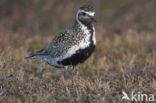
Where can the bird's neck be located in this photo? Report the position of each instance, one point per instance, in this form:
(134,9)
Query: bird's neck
(88,29)
(79,25)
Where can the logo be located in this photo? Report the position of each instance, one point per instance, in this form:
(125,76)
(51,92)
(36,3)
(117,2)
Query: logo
(137,96)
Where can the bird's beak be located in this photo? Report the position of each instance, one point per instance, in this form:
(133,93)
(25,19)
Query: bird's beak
(93,19)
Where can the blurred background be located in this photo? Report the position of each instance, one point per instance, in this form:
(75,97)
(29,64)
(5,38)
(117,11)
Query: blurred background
(29,18)
(124,59)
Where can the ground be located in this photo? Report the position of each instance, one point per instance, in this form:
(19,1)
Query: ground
(124,60)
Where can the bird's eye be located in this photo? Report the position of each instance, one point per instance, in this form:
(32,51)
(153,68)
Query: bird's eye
(83,14)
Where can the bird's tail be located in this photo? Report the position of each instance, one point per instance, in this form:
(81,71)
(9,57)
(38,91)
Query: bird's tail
(38,54)
(32,56)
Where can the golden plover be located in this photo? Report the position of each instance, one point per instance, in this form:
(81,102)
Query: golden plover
(73,45)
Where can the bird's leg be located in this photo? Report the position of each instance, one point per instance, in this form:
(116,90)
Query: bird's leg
(65,69)
(73,73)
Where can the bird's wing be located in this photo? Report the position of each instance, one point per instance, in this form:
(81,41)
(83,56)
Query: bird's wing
(59,43)
(56,47)
(60,39)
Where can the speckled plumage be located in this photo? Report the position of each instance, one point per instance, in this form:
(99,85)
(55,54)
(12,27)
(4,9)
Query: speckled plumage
(65,40)
(70,41)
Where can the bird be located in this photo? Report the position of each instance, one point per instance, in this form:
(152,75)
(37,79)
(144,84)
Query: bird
(73,45)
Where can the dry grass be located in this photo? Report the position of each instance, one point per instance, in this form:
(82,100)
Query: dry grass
(125,59)
(124,63)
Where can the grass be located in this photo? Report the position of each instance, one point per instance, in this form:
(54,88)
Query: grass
(124,63)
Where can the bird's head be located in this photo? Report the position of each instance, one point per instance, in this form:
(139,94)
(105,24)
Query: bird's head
(85,14)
